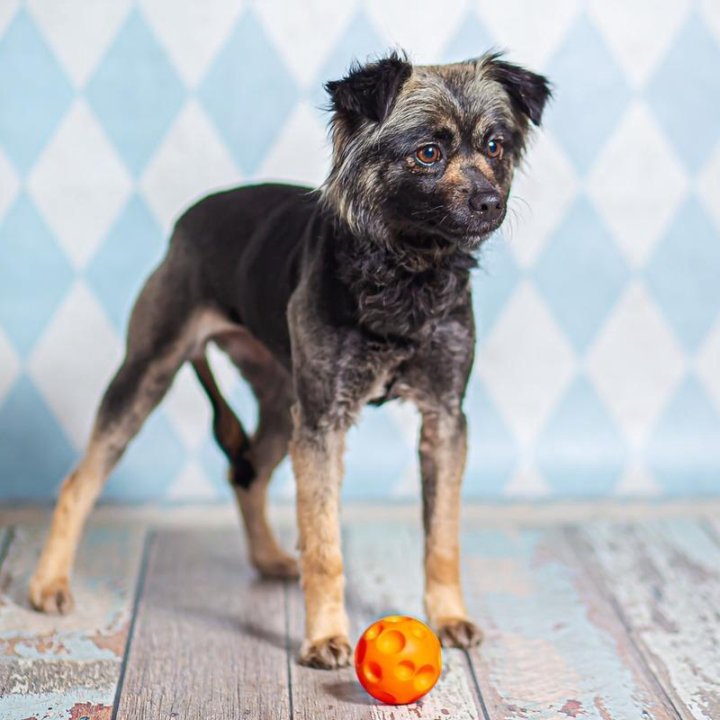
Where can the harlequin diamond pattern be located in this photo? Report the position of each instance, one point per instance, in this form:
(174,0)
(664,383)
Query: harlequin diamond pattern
(598,306)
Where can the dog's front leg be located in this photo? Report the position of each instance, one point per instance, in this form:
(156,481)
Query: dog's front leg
(317,459)
(443,447)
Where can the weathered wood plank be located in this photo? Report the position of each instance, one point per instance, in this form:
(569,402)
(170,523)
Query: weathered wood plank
(665,579)
(554,647)
(209,640)
(50,666)
(383,564)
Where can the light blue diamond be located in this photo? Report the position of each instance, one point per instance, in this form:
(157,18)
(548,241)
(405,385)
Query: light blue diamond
(493,283)
(685,93)
(581,273)
(150,465)
(590,93)
(580,451)
(35,453)
(34,92)
(248,93)
(133,247)
(491,448)
(378,455)
(360,42)
(471,40)
(684,274)
(215,466)
(135,92)
(684,451)
(34,274)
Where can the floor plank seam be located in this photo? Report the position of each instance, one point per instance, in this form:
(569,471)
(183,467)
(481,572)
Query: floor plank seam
(576,539)
(476,684)
(288,647)
(142,574)
(7,540)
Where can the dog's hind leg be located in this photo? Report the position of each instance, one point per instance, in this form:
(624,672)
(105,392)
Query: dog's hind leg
(252,461)
(163,332)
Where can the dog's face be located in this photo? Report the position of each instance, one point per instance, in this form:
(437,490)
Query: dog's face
(426,154)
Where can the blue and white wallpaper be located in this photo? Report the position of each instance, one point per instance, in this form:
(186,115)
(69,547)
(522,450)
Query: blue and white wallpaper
(598,366)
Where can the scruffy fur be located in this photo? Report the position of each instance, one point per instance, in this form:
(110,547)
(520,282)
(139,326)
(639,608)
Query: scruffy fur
(327,300)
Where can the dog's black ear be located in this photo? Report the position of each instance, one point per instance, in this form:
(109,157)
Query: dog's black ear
(370,90)
(528,91)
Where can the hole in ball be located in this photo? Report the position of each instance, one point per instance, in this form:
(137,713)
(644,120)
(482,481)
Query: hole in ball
(391,642)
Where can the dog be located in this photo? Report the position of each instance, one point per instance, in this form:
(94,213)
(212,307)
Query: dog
(327,300)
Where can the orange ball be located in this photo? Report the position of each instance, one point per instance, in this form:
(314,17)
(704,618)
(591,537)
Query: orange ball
(398,660)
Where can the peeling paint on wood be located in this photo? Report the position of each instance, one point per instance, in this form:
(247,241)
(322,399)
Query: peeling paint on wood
(51,665)
(553,647)
(664,577)
(607,621)
(103,586)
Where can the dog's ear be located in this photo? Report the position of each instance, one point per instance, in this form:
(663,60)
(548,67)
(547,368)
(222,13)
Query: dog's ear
(528,91)
(370,90)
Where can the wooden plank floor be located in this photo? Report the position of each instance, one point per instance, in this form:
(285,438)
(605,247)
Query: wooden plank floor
(609,617)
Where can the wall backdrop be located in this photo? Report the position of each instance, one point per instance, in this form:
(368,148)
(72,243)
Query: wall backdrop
(598,370)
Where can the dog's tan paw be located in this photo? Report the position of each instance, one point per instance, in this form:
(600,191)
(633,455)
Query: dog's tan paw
(53,597)
(327,654)
(282,566)
(458,633)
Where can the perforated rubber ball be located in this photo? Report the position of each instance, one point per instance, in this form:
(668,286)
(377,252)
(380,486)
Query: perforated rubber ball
(398,659)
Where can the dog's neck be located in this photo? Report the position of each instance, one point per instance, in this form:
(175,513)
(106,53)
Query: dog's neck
(401,286)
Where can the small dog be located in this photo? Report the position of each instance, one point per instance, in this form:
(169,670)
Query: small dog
(327,300)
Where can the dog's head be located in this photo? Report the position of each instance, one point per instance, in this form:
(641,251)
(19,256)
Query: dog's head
(426,154)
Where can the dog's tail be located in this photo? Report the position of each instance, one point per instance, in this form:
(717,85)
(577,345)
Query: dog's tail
(227,428)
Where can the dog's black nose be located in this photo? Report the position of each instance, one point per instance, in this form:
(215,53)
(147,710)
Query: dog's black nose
(488,204)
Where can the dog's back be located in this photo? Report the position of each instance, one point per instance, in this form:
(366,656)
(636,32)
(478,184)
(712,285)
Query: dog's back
(243,248)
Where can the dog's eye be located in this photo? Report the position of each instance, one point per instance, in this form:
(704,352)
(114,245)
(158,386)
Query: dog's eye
(494,148)
(428,154)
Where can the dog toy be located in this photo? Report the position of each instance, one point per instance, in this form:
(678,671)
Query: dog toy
(398,660)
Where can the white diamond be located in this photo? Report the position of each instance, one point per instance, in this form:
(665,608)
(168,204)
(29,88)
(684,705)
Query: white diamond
(192,484)
(304,33)
(187,409)
(531,30)
(708,185)
(190,163)
(79,32)
(74,360)
(8,8)
(192,31)
(9,366)
(637,481)
(711,12)
(304,133)
(635,363)
(637,184)
(226,374)
(79,184)
(526,363)
(638,32)
(540,196)
(410,29)
(9,183)
(527,482)
(707,363)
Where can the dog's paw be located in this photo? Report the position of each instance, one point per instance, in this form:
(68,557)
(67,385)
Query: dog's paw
(53,597)
(458,633)
(327,654)
(278,567)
